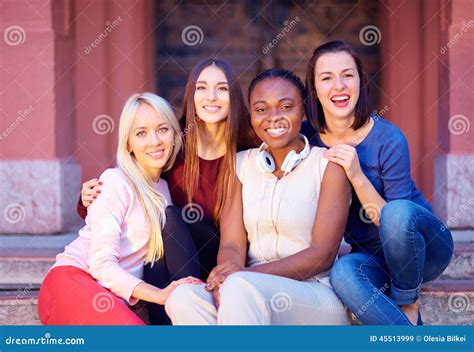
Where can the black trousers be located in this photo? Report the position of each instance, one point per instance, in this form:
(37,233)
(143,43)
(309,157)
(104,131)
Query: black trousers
(190,249)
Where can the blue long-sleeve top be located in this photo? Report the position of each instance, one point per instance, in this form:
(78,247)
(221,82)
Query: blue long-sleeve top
(385,160)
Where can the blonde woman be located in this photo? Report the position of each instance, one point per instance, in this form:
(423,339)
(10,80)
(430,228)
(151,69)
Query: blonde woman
(99,274)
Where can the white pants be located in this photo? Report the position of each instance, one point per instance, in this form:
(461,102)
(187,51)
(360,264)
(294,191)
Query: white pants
(249,298)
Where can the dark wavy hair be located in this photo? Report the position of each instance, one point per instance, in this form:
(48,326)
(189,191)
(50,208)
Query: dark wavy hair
(314,109)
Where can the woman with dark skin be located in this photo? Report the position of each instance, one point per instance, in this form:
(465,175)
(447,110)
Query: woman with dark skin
(291,212)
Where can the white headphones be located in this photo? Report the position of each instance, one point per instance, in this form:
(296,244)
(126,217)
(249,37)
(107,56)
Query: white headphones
(293,158)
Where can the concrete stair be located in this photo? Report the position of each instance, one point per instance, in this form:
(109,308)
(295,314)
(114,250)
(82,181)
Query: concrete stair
(19,306)
(448,302)
(24,261)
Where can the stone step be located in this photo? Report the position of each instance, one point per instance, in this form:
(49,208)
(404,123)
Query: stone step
(448,302)
(443,302)
(26,267)
(19,307)
(463,235)
(25,259)
(461,266)
(29,265)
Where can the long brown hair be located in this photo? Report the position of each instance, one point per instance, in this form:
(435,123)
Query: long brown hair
(314,109)
(238,135)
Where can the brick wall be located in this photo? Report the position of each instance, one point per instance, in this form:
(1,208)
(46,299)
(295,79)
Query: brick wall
(241,32)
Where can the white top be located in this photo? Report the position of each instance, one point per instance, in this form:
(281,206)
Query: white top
(113,244)
(279,213)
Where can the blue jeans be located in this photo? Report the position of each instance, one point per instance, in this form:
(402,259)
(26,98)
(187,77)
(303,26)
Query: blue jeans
(414,247)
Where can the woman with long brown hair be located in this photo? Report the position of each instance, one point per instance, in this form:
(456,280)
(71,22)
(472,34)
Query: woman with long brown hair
(215,126)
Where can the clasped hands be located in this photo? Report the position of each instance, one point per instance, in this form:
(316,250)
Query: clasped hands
(217,277)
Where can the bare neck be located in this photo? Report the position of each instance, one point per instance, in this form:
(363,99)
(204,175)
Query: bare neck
(340,131)
(339,128)
(211,140)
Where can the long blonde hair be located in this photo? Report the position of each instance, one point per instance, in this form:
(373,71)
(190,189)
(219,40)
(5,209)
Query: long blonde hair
(152,201)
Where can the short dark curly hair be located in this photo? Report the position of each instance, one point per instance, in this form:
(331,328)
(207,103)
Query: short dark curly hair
(279,73)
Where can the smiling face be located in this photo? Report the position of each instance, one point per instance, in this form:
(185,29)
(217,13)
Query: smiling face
(337,84)
(211,97)
(276,111)
(151,140)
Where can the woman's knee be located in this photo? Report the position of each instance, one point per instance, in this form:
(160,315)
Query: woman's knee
(238,287)
(344,271)
(397,214)
(180,300)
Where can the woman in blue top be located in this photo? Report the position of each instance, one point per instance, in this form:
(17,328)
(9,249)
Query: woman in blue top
(397,242)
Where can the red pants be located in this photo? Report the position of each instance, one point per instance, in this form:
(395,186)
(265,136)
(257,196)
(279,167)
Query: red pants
(71,296)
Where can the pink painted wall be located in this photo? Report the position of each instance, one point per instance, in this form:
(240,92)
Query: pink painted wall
(37,59)
(38,172)
(458,85)
(114,53)
(70,65)
(409,51)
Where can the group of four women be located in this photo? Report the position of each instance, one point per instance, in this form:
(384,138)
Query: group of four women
(277,193)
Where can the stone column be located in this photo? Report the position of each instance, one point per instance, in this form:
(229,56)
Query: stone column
(454,165)
(409,90)
(39,178)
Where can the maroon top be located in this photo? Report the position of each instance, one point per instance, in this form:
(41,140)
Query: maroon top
(203,196)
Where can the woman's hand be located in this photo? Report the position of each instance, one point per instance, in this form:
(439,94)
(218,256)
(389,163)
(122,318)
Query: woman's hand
(163,294)
(89,192)
(218,275)
(346,156)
